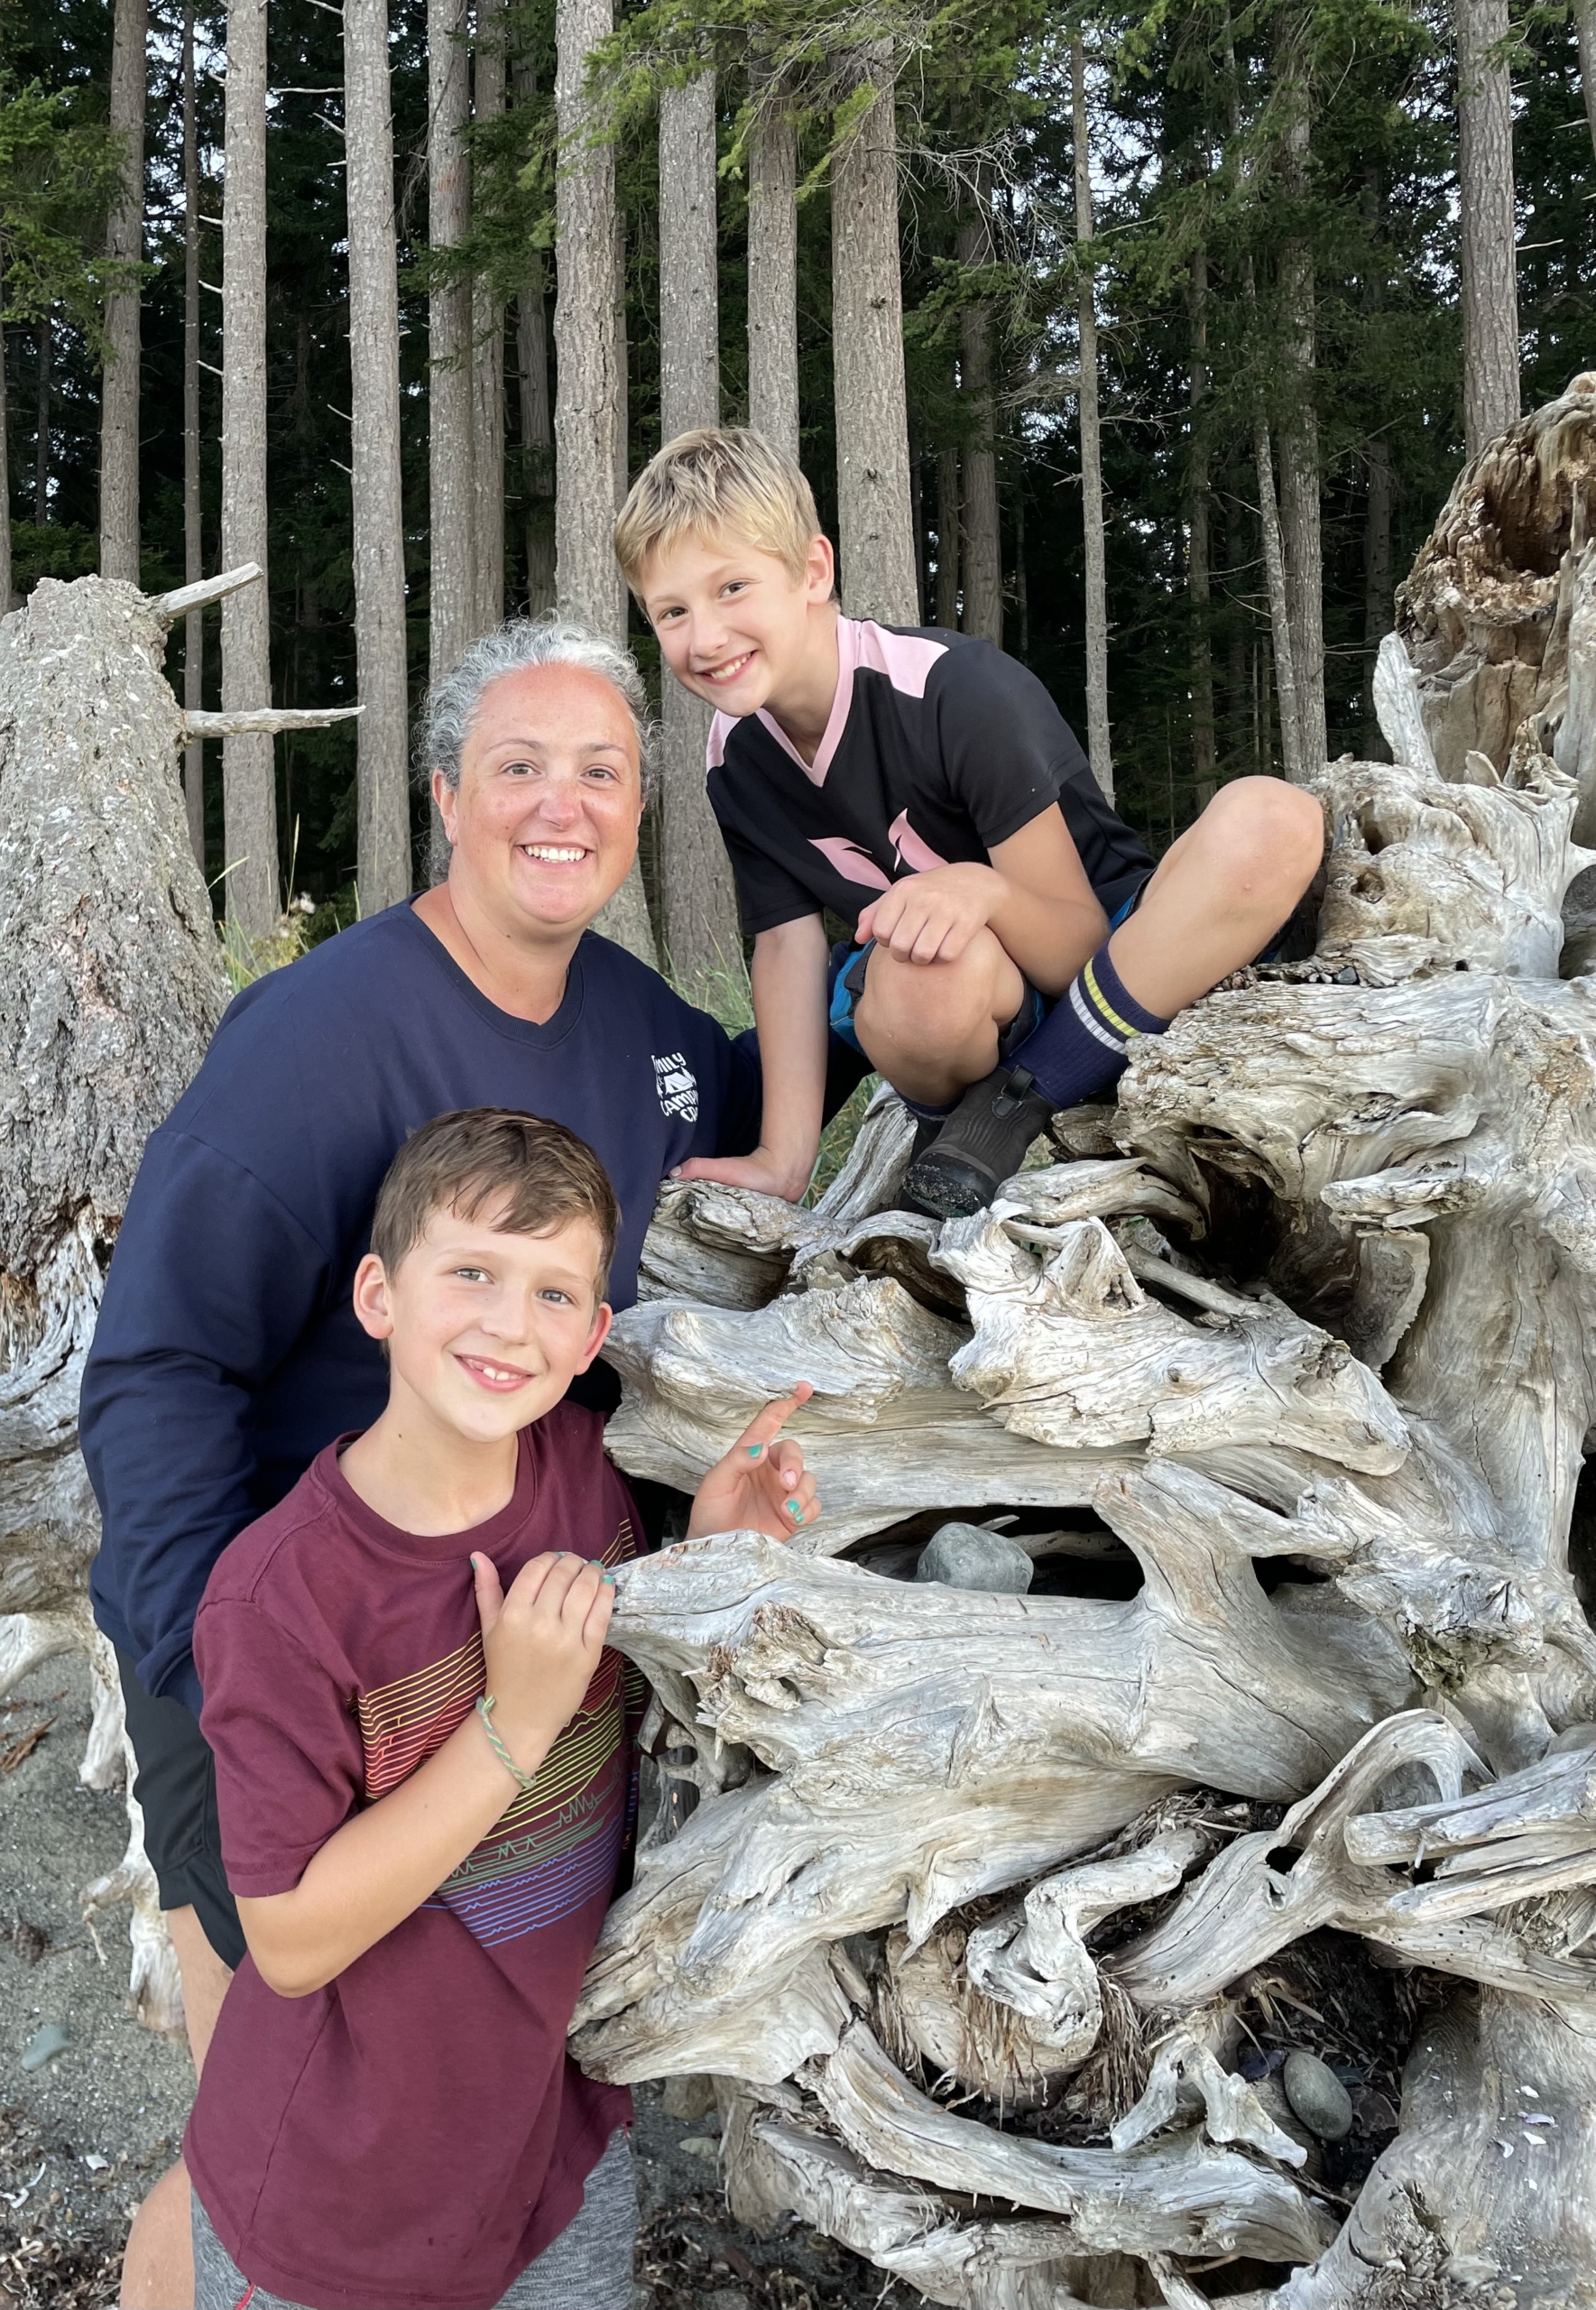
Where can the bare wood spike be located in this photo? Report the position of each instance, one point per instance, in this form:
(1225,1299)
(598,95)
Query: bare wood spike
(204,591)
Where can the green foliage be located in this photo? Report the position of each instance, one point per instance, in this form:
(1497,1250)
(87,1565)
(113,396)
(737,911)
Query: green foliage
(58,175)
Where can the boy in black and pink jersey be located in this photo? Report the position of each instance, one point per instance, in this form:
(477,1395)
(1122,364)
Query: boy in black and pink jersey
(1011,935)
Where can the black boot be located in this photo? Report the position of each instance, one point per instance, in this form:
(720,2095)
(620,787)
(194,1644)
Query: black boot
(982,1144)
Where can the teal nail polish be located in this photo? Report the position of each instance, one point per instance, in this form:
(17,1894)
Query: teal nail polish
(609,1579)
(754,1450)
(794,1509)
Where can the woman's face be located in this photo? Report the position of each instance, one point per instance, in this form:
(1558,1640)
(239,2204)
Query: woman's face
(544,820)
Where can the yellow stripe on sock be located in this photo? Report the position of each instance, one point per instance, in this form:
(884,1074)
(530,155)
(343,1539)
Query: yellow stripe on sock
(1105,1006)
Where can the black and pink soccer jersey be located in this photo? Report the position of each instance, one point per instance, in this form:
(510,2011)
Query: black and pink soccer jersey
(938,748)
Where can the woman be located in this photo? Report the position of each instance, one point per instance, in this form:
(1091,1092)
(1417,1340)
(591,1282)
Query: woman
(226,1354)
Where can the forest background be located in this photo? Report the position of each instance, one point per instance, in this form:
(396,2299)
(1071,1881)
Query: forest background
(1146,342)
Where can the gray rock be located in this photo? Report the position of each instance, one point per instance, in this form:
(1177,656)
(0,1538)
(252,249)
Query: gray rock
(965,1556)
(701,2144)
(46,2044)
(688,2097)
(1317,2095)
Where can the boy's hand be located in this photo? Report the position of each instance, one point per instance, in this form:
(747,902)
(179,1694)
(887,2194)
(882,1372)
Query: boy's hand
(763,1484)
(542,1644)
(931,917)
(766,1172)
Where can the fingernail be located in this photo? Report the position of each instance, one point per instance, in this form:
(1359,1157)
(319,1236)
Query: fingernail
(609,1579)
(754,1450)
(794,1509)
(597,1563)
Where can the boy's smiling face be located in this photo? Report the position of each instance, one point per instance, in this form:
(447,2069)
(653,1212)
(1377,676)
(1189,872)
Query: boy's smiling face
(485,1330)
(735,625)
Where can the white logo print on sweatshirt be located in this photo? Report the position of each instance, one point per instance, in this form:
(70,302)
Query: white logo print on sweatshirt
(676,1085)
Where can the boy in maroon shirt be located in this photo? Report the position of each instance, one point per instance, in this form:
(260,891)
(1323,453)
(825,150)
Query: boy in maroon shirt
(423,1775)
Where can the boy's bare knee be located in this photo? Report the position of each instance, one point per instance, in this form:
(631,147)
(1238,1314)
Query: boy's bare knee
(1263,839)
(931,1005)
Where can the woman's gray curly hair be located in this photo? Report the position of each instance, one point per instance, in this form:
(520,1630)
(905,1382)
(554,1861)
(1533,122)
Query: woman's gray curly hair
(449,708)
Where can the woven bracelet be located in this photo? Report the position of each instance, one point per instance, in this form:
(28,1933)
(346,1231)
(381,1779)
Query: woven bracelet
(524,1780)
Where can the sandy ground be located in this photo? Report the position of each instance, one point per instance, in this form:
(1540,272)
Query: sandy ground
(82,2136)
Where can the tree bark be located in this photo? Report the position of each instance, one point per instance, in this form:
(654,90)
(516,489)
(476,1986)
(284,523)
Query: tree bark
(1379,609)
(41,427)
(772,271)
(249,784)
(874,528)
(1092,514)
(450,465)
(1198,511)
(588,428)
(193,543)
(586,353)
(384,816)
(948,539)
(1274,564)
(107,926)
(487,359)
(983,572)
(1299,428)
(536,421)
(697,901)
(1489,271)
(4,484)
(1584,18)
(125,243)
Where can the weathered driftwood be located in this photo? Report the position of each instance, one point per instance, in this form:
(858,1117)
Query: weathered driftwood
(1309,1348)
(113,983)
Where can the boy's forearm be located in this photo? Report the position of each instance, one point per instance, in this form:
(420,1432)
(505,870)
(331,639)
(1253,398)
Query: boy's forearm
(380,1867)
(789,977)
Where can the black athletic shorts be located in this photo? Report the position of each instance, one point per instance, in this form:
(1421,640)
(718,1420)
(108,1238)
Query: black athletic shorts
(176,1788)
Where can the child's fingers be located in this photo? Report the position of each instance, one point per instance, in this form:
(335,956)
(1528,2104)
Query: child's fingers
(598,1614)
(767,1424)
(490,1593)
(797,1503)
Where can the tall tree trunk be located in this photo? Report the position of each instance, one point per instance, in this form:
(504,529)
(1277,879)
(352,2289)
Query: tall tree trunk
(125,240)
(450,464)
(1263,459)
(1198,492)
(1097,721)
(698,902)
(1584,18)
(623,376)
(536,421)
(5,489)
(772,271)
(589,433)
(41,427)
(948,539)
(874,526)
(1300,430)
(249,787)
(587,369)
(1489,233)
(1377,605)
(384,814)
(983,545)
(193,543)
(487,360)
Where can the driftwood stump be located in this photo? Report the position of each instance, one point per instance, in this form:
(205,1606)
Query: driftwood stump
(113,986)
(995,1912)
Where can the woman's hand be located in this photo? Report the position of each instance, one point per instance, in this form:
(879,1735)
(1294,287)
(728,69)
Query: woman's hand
(763,1484)
(767,1171)
(931,917)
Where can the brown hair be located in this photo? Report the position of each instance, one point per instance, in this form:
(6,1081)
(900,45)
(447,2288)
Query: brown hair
(714,479)
(528,1175)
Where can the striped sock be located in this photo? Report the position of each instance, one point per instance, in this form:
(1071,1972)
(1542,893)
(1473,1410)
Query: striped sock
(1083,1044)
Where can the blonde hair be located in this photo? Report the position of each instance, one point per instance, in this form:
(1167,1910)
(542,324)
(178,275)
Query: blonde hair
(712,480)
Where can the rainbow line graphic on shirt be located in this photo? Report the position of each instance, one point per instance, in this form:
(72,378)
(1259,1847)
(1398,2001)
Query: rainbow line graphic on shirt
(558,1845)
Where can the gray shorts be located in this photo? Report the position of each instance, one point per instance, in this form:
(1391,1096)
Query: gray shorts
(589,2267)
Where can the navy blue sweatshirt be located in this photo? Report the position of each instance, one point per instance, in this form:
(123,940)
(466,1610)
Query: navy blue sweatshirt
(226,1353)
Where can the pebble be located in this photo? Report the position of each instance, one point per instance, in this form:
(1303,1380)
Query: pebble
(724,2297)
(1317,2095)
(701,2145)
(45,2044)
(967,1555)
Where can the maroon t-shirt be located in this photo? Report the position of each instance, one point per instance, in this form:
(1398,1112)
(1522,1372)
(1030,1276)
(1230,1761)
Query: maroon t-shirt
(411,2136)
